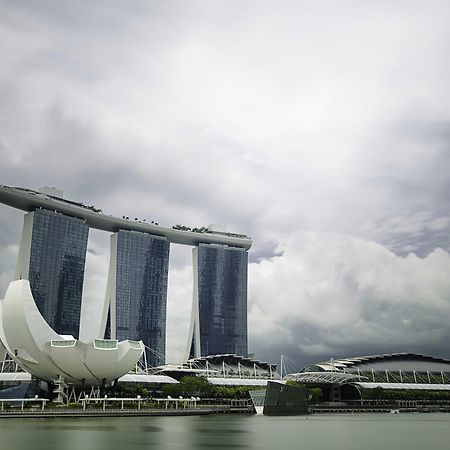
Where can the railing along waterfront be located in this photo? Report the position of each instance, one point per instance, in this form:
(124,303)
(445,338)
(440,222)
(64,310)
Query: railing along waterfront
(23,401)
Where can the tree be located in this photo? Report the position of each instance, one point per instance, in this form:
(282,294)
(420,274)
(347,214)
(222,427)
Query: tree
(315,393)
(188,387)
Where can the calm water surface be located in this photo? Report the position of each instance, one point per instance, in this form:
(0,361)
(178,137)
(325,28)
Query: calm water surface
(321,432)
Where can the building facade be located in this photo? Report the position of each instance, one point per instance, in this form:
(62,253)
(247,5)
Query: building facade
(137,291)
(52,257)
(219,311)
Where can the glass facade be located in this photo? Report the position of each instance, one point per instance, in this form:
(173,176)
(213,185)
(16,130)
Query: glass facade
(141,291)
(222,299)
(282,399)
(56,272)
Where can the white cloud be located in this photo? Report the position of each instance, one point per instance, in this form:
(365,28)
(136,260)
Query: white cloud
(94,289)
(8,256)
(179,304)
(338,293)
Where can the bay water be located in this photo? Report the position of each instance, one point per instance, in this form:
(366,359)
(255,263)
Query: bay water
(313,432)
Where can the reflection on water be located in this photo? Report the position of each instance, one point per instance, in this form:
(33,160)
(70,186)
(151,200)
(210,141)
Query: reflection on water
(350,432)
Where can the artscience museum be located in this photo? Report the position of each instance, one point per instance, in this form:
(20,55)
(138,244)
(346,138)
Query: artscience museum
(49,356)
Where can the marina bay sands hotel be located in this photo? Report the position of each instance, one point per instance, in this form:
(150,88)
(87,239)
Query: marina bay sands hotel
(52,257)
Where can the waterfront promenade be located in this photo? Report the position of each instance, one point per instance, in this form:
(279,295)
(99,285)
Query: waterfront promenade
(128,412)
(98,411)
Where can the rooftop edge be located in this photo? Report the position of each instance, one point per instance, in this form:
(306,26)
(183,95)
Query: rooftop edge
(29,200)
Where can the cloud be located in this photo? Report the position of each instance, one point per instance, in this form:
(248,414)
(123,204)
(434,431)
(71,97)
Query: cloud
(334,295)
(94,288)
(7,255)
(179,305)
(325,119)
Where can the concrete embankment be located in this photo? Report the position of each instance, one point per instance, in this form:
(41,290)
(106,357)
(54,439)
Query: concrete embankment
(349,410)
(69,412)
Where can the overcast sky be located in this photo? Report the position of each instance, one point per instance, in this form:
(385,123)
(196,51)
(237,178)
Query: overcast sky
(321,129)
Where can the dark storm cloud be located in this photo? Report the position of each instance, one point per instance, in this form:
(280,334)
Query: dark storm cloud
(416,217)
(130,175)
(99,17)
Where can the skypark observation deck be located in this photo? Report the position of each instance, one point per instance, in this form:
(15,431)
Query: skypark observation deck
(29,200)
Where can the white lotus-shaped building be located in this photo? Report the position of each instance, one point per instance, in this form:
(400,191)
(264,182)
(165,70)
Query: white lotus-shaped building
(37,348)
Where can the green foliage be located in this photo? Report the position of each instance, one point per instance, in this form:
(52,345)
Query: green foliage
(399,394)
(232,392)
(316,394)
(200,387)
(73,405)
(128,390)
(188,387)
(181,227)
(185,228)
(373,394)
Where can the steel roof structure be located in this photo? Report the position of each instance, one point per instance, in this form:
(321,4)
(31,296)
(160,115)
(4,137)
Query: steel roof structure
(389,361)
(322,377)
(238,381)
(15,376)
(144,378)
(408,371)
(230,359)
